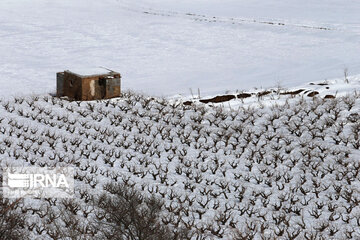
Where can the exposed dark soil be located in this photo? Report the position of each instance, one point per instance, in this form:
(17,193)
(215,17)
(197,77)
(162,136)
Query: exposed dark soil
(313,93)
(244,95)
(226,98)
(329,97)
(264,93)
(218,99)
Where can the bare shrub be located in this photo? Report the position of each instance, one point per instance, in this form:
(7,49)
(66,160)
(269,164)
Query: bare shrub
(12,223)
(125,214)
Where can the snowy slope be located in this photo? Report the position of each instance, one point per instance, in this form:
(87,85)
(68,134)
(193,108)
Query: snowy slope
(212,45)
(288,171)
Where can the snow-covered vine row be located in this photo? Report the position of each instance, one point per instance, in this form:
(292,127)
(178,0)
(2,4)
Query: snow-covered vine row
(289,171)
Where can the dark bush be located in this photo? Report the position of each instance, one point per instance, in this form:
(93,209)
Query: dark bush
(11,221)
(125,214)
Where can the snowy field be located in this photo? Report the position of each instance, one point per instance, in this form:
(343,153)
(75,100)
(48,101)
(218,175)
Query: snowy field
(165,47)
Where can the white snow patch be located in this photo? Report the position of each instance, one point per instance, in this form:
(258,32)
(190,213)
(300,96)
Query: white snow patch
(214,45)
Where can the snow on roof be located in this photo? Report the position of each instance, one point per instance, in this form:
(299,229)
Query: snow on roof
(90,71)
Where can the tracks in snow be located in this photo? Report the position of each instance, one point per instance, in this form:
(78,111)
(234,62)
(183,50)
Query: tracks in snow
(225,20)
(231,20)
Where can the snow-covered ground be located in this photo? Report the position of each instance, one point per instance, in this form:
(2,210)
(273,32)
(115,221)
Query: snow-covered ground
(286,168)
(288,171)
(165,47)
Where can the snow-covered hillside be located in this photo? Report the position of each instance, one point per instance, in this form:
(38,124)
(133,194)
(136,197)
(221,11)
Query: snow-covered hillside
(279,159)
(165,47)
(278,172)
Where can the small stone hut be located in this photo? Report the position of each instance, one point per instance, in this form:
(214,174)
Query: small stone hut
(84,86)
